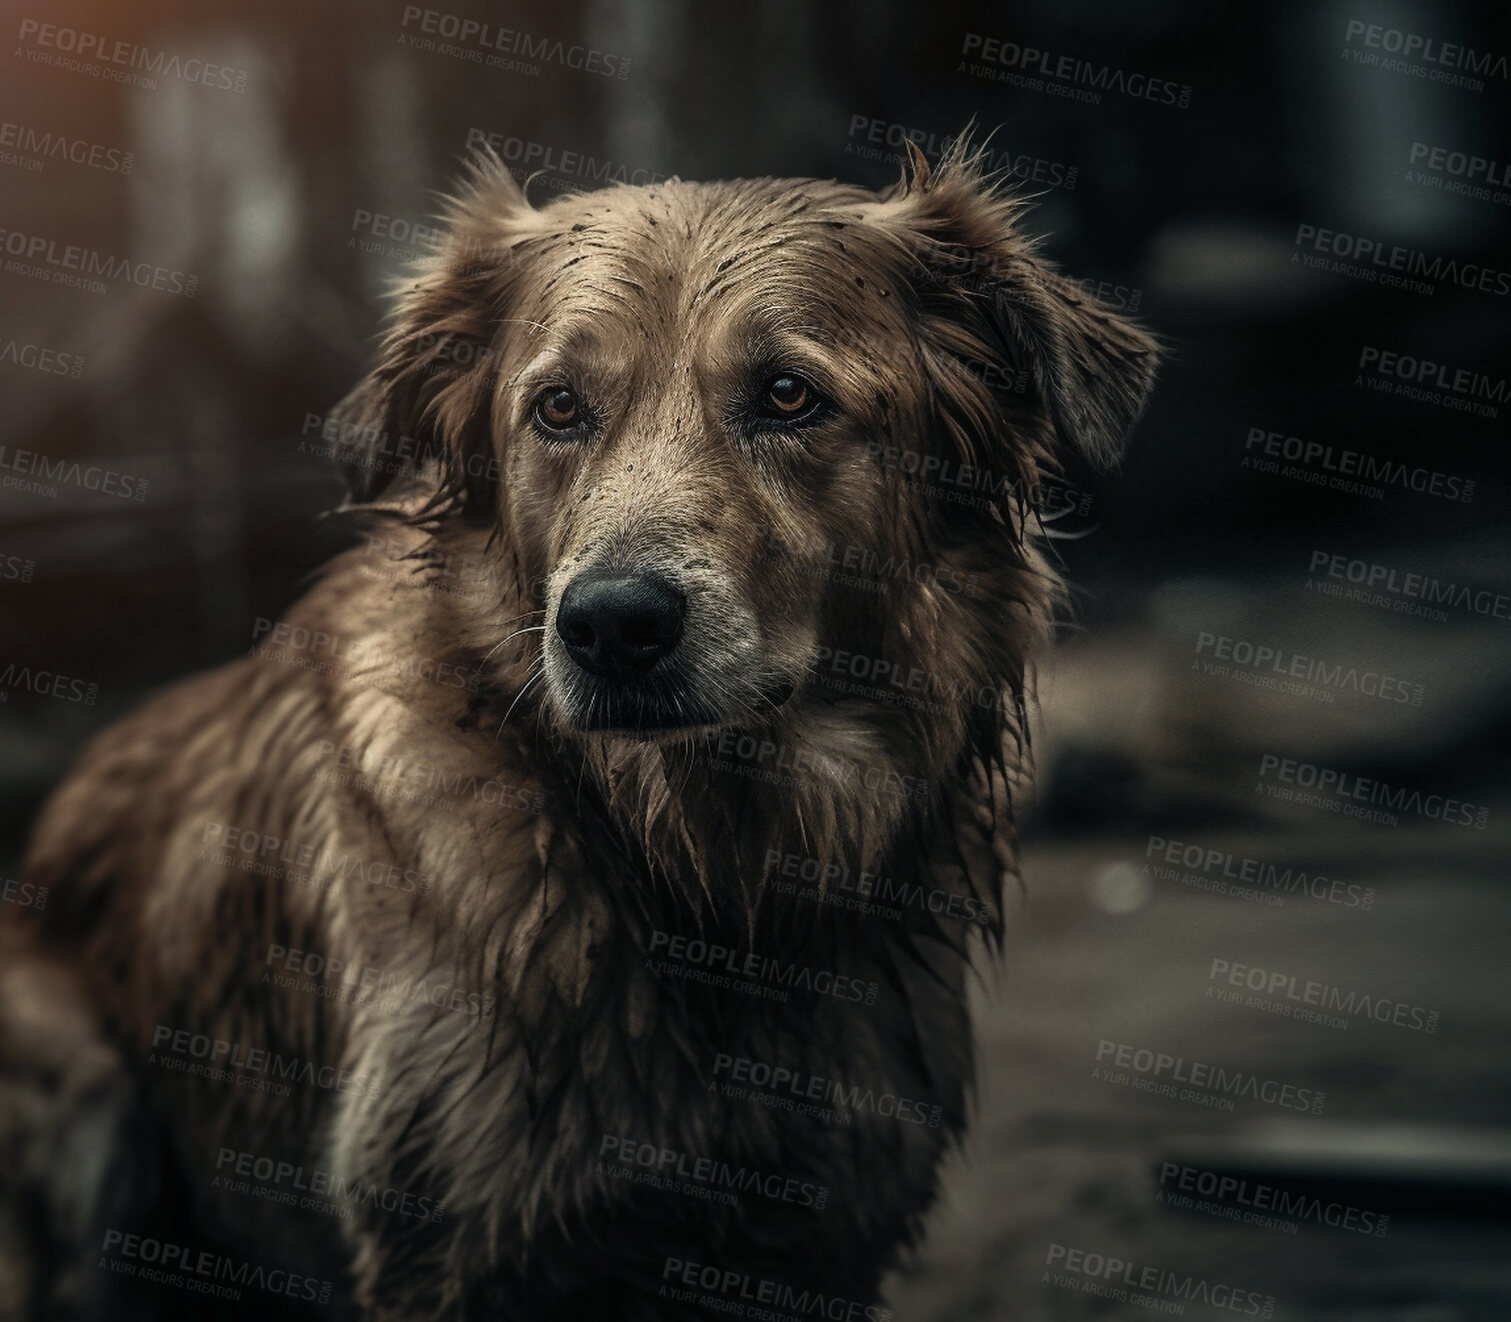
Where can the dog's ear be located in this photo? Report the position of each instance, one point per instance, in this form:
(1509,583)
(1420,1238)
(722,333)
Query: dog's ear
(1090,369)
(424,408)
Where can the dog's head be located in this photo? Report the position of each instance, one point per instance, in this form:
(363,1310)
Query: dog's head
(724,426)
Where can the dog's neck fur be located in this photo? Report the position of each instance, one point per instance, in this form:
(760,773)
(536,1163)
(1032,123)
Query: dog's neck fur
(710,824)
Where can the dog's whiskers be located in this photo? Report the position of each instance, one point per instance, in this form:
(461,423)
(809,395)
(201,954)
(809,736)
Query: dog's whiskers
(488,656)
(529,628)
(536,673)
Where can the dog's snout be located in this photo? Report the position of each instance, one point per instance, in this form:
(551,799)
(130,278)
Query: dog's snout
(618,624)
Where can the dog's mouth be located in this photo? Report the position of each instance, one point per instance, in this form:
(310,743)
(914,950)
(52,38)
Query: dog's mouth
(666,705)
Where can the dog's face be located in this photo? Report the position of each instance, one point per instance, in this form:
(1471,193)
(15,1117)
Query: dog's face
(698,412)
(681,444)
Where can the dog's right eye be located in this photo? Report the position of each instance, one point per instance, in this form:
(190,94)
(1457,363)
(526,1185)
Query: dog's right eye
(787,400)
(559,409)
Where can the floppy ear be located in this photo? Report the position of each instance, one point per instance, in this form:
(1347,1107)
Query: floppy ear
(1094,370)
(1091,370)
(425,406)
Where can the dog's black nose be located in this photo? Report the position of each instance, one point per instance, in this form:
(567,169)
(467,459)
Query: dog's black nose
(618,624)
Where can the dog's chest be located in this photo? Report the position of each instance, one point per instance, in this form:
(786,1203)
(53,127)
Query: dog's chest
(743,1091)
(638,1074)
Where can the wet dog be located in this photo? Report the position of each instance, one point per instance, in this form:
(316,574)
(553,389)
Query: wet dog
(565,911)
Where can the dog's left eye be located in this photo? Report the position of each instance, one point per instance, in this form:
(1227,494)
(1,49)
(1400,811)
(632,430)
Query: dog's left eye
(787,397)
(559,410)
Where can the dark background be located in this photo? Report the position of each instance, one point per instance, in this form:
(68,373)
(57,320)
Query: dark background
(264,195)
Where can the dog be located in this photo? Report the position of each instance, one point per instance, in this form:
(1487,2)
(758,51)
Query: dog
(565,910)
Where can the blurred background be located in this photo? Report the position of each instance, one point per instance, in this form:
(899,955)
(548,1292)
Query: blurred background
(1238,175)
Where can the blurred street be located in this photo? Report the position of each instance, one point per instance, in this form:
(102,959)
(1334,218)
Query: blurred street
(1100,949)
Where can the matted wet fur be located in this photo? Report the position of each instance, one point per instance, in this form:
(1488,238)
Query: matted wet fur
(562,925)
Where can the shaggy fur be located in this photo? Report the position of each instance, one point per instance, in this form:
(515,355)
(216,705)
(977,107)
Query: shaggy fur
(422,801)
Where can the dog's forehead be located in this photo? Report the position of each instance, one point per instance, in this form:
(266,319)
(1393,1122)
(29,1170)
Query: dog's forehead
(698,257)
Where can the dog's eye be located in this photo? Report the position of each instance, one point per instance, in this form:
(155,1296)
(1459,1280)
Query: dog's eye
(788,395)
(558,409)
(788,398)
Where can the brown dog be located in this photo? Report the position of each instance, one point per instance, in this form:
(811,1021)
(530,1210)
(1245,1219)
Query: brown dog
(564,912)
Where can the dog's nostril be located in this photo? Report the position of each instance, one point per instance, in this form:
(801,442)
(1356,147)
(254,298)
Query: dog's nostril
(617,624)
(575,632)
(651,628)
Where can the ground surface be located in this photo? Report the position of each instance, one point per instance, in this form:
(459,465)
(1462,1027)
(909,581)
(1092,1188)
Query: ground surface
(1060,1158)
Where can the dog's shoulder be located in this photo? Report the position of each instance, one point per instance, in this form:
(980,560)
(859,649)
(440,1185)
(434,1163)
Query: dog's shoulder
(135,778)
